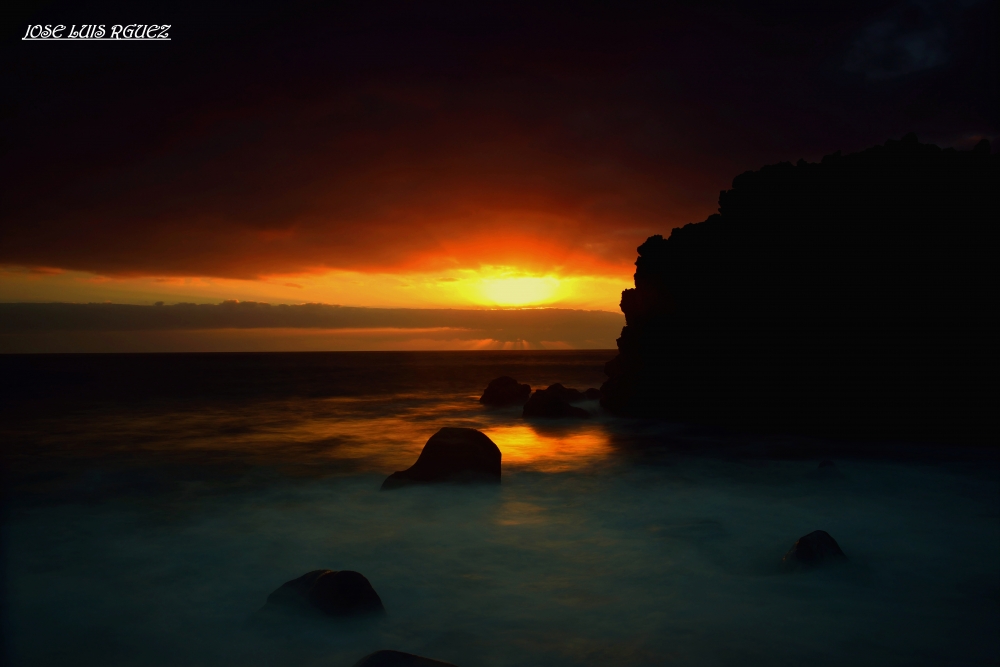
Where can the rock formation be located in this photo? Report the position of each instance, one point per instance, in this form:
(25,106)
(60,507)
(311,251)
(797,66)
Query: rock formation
(813,549)
(343,594)
(826,470)
(554,402)
(505,390)
(398,659)
(452,455)
(846,297)
(571,395)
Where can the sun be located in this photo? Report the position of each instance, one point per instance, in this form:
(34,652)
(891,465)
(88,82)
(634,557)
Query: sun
(523,291)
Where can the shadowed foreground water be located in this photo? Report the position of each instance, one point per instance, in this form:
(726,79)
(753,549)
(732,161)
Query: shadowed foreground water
(143,527)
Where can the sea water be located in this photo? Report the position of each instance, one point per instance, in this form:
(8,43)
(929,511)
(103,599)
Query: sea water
(154,501)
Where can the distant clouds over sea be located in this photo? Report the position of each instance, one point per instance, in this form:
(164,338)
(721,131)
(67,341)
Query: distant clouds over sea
(252,326)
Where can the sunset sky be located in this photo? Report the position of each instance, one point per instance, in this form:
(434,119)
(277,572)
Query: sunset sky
(441,155)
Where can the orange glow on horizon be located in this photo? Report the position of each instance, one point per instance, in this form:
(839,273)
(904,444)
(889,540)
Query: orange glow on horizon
(485,287)
(523,291)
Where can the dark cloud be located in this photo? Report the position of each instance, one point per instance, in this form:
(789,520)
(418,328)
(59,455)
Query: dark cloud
(384,135)
(254,315)
(911,37)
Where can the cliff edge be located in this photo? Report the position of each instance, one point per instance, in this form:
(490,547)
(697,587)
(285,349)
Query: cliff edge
(847,297)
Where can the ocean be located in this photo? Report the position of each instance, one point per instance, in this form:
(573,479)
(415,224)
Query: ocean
(152,502)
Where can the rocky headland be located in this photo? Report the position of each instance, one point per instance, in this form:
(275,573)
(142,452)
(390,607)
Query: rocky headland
(848,297)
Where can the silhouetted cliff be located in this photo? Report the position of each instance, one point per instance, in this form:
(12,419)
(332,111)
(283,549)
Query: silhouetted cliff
(848,297)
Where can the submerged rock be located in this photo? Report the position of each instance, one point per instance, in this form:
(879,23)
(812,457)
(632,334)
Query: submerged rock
(505,390)
(398,659)
(552,402)
(814,549)
(452,455)
(341,593)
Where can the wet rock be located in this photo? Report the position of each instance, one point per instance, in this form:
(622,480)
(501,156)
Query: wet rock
(816,548)
(505,390)
(398,659)
(343,593)
(552,403)
(452,455)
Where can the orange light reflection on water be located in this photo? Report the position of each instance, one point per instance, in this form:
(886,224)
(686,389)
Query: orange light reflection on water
(549,451)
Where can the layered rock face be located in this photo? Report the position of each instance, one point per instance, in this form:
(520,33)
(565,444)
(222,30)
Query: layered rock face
(850,296)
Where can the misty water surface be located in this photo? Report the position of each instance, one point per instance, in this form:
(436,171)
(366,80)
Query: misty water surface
(153,507)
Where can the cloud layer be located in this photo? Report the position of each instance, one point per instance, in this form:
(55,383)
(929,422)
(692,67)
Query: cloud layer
(250,326)
(399,136)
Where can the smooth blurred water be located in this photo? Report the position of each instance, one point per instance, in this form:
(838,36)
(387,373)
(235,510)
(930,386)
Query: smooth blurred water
(155,501)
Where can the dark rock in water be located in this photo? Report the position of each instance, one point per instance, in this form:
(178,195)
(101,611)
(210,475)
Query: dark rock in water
(505,390)
(808,299)
(398,659)
(332,593)
(814,549)
(564,393)
(452,455)
(571,395)
(826,470)
(552,403)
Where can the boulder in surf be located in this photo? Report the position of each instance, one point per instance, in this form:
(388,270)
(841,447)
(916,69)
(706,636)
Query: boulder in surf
(816,548)
(505,390)
(552,403)
(343,593)
(398,659)
(452,455)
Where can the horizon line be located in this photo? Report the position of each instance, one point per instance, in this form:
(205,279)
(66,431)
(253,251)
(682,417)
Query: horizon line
(162,304)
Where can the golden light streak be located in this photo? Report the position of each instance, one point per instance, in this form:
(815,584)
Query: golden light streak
(524,445)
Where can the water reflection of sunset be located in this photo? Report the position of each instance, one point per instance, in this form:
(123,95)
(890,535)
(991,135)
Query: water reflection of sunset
(524,445)
(336,434)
